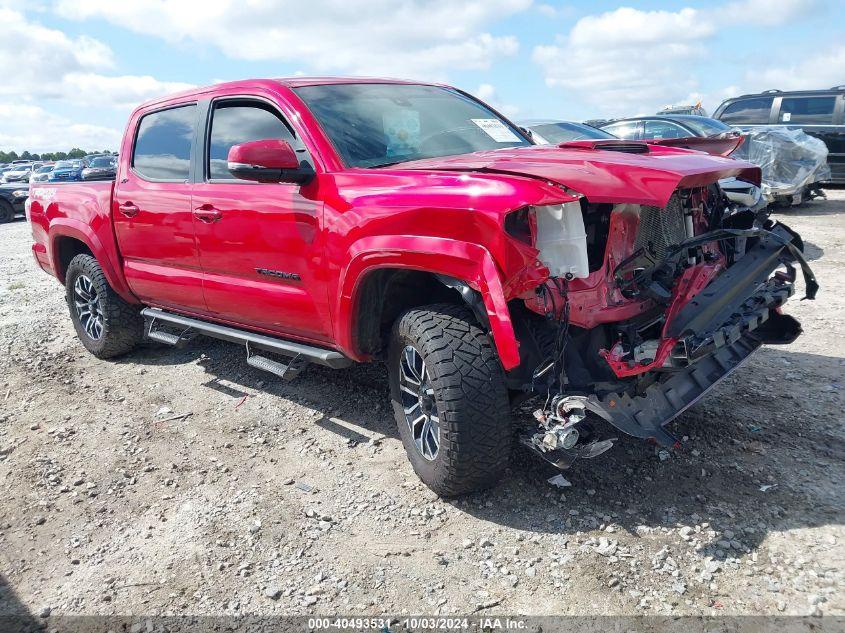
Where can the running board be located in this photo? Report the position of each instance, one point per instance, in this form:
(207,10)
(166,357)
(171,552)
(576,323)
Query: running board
(307,353)
(284,371)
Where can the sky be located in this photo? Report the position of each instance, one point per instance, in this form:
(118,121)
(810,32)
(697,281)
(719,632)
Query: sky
(72,70)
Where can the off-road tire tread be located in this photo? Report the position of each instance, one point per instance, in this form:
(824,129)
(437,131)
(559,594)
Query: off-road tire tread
(123,323)
(471,395)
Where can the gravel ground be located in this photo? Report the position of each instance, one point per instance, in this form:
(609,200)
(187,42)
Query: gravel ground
(183,481)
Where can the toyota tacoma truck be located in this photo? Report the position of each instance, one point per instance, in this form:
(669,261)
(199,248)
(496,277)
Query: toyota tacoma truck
(334,221)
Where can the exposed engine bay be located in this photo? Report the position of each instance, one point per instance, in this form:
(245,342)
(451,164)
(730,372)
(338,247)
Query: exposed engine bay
(645,310)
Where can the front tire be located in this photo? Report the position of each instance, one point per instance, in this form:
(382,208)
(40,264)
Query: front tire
(450,399)
(106,325)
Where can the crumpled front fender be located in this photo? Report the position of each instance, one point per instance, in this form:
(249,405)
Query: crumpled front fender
(464,261)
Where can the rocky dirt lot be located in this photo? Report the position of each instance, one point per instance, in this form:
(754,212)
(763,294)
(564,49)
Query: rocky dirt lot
(183,481)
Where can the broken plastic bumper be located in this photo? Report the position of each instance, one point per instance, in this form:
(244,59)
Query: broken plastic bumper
(714,334)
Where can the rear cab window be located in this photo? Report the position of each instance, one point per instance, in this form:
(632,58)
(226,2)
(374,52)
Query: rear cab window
(754,111)
(807,110)
(163,144)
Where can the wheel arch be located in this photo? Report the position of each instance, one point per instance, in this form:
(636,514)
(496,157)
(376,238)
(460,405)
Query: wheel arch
(68,239)
(443,270)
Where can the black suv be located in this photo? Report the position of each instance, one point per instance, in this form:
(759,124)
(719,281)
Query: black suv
(820,113)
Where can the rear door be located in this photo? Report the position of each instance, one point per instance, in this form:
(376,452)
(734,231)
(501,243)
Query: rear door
(153,217)
(260,243)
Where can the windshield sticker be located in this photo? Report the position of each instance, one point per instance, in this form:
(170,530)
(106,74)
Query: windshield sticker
(402,132)
(496,130)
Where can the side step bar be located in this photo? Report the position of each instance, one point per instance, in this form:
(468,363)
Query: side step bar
(301,352)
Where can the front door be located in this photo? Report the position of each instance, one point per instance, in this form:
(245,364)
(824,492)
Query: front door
(259,242)
(152,213)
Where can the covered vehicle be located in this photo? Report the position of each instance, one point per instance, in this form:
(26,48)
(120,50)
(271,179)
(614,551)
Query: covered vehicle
(794,164)
(551,132)
(819,113)
(411,224)
(65,170)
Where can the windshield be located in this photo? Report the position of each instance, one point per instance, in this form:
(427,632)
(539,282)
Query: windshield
(372,125)
(102,161)
(707,127)
(45,168)
(562,132)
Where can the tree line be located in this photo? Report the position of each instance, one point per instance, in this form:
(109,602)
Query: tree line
(8,157)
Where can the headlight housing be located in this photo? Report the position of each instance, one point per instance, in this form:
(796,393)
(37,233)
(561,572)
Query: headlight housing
(20,193)
(562,240)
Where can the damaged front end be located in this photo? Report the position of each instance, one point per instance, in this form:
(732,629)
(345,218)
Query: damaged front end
(646,309)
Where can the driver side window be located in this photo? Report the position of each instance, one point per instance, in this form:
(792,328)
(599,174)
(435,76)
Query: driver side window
(235,122)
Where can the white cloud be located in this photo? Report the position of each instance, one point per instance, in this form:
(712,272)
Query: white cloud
(822,70)
(763,12)
(488,94)
(121,91)
(44,68)
(552,11)
(408,37)
(33,128)
(626,60)
(34,58)
(630,61)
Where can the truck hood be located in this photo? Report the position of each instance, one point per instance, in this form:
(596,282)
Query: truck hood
(604,170)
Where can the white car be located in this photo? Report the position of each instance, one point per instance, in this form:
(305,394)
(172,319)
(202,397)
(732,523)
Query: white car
(42,173)
(19,173)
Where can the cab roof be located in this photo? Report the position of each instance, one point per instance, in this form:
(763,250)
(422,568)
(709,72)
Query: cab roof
(289,82)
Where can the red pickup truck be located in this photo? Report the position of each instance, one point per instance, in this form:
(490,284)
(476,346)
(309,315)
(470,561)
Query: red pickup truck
(331,221)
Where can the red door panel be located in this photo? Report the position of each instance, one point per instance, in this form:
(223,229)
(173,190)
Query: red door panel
(259,249)
(152,213)
(157,241)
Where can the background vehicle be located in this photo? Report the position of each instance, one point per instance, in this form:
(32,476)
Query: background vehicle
(67,170)
(819,113)
(18,173)
(100,168)
(12,200)
(551,132)
(333,220)
(679,130)
(42,173)
(684,109)
(793,164)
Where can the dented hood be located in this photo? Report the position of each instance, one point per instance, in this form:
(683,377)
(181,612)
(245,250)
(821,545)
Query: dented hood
(646,174)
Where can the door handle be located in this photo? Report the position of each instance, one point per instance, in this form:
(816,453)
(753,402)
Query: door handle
(207,213)
(128,209)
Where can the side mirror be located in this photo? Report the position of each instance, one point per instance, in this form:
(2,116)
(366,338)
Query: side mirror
(268,160)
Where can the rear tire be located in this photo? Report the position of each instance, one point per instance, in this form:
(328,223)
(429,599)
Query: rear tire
(450,399)
(106,325)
